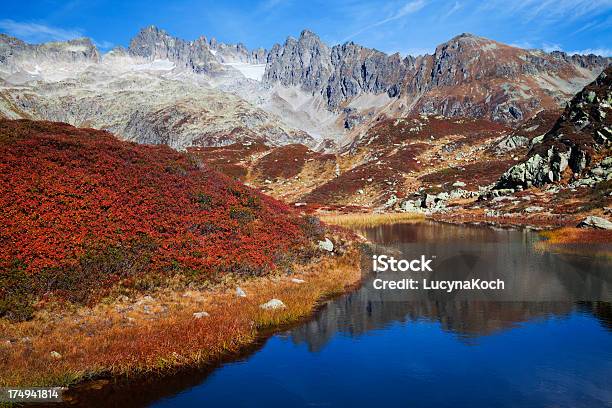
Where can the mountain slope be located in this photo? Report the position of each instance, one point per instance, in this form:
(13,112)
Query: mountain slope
(83,212)
(581,137)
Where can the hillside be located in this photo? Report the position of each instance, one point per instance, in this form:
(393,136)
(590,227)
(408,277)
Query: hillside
(84,214)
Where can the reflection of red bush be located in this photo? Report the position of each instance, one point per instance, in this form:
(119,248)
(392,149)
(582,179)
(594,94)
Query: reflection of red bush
(64,191)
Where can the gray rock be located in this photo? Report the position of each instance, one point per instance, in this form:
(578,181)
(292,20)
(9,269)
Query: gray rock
(411,206)
(595,222)
(199,315)
(296,280)
(534,208)
(458,184)
(391,201)
(273,304)
(55,355)
(511,142)
(240,292)
(326,245)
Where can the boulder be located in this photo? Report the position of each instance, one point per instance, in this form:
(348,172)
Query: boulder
(458,184)
(411,206)
(199,315)
(273,304)
(55,355)
(296,280)
(511,142)
(596,223)
(326,245)
(391,201)
(534,208)
(240,292)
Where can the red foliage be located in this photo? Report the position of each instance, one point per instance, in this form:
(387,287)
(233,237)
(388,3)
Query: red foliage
(65,192)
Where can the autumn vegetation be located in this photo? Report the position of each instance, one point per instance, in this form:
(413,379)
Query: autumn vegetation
(88,221)
(83,212)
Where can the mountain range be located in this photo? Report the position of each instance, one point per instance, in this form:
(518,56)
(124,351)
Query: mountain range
(300,91)
(334,125)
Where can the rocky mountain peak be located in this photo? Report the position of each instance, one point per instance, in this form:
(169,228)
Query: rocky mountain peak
(153,43)
(16,54)
(306,33)
(304,62)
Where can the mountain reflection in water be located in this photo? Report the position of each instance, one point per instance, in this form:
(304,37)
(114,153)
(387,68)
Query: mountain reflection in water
(545,341)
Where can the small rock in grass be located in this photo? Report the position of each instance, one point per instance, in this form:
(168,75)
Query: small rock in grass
(240,292)
(326,245)
(55,355)
(199,315)
(273,304)
(458,184)
(296,280)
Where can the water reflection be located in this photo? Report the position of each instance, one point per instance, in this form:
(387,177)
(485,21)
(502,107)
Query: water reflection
(546,342)
(540,284)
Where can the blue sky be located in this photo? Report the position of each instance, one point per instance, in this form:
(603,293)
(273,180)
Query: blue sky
(413,26)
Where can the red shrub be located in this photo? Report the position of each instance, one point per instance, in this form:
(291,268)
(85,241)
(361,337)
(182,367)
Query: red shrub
(70,195)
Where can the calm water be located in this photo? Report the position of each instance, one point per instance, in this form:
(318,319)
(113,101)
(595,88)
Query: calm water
(380,348)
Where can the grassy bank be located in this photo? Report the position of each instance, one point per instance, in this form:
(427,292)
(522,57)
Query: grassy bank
(571,235)
(571,240)
(370,219)
(159,333)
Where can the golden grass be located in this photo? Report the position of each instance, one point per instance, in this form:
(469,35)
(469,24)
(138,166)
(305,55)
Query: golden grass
(159,333)
(571,240)
(571,235)
(370,219)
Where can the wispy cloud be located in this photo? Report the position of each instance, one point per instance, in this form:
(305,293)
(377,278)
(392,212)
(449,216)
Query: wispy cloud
(39,33)
(548,11)
(522,44)
(455,7)
(408,8)
(551,47)
(35,32)
(104,45)
(273,5)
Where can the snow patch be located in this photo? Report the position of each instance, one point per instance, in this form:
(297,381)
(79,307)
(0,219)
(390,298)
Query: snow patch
(156,65)
(251,71)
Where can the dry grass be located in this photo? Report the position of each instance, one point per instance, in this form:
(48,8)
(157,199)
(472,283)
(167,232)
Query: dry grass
(570,240)
(570,235)
(370,219)
(159,333)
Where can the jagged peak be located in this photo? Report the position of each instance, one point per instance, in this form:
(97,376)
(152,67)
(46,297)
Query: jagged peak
(308,33)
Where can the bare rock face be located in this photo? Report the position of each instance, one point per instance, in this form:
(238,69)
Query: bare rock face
(152,43)
(305,62)
(17,56)
(466,76)
(233,53)
(363,70)
(583,131)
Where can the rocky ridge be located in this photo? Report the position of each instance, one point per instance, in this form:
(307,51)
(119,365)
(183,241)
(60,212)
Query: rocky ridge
(331,95)
(467,76)
(581,136)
